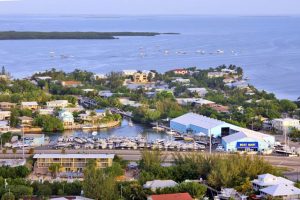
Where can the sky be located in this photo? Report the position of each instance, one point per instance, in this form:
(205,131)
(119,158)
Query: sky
(151,7)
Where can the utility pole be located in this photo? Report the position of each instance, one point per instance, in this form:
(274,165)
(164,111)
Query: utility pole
(209,141)
(23,151)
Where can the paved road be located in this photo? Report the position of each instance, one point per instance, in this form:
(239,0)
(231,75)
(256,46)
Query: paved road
(291,163)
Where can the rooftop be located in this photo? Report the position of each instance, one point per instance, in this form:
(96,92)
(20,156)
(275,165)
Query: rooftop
(245,133)
(159,184)
(281,190)
(198,120)
(89,156)
(176,196)
(269,180)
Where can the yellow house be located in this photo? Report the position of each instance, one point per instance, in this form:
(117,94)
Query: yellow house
(140,77)
(71,162)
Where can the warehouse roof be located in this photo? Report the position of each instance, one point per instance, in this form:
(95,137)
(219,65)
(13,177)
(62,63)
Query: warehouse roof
(245,133)
(91,156)
(198,120)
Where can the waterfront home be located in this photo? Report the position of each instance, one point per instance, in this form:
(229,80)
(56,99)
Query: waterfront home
(266,180)
(229,71)
(140,77)
(285,124)
(248,141)
(126,102)
(174,196)
(194,123)
(216,74)
(26,121)
(33,105)
(199,91)
(155,184)
(193,101)
(71,83)
(66,117)
(4,115)
(46,111)
(7,106)
(180,71)
(4,126)
(99,76)
(275,187)
(90,116)
(105,93)
(70,162)
(129,72)
(57,104)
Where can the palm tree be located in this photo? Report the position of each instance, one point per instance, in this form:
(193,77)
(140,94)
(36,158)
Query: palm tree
(54,169)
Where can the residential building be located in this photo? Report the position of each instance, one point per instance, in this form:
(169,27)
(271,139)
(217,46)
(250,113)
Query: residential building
(4,126)
(44,78)
(71,162)
(33,105)
(127,102)
(140,77)
(238,84)
(200,91)
(285,124)
(215,74)
(7,106)
(193,101)
(4,115)
(71,83)
(271,186)
(284,192)
(129,72)
(70,198)
(182,80)
(175,196)
(105,93)
(88,90)
(219,108)
(248,140)
(48,111)
(66,117)
(99,76)
(266,180)
(57,104)
(155,184)
(180,71)
(26,121)
(194,123)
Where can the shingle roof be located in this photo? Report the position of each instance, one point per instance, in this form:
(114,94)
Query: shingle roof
(176,196)
(198,120)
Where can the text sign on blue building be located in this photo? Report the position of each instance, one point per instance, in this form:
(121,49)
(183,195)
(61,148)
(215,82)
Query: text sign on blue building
(248,145)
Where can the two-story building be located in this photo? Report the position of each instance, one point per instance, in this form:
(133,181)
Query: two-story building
(285,124)
(66,117)
(32,105)
(6,106)
(57,104)
(4,115)
(71,162)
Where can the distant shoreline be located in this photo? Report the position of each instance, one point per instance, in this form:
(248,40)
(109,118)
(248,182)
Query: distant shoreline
(33,35)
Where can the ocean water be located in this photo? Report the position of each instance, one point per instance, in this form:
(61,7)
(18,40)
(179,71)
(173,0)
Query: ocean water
(268,48)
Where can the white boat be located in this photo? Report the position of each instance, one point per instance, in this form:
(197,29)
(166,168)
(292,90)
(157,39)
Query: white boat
(94,133)
(171,132)
(220,51)
(130,123)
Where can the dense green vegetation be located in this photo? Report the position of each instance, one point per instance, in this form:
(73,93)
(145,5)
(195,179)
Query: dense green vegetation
(30,35)
(48,123)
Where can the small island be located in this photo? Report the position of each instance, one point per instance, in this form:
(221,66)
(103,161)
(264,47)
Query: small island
(32,35)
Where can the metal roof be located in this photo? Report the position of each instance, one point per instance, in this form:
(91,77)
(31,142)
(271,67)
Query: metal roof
(89,156)
(198,120)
